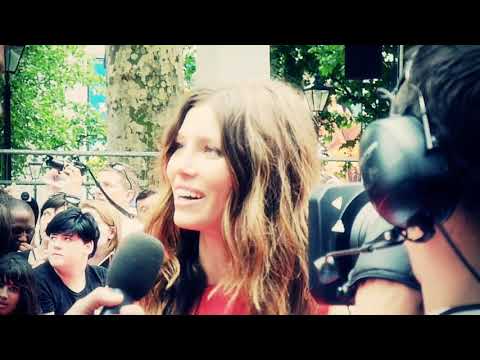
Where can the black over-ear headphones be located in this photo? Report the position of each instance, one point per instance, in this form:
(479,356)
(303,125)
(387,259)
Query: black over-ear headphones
(405,171)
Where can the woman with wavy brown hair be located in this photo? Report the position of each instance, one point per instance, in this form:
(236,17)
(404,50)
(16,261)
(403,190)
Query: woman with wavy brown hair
(237,166)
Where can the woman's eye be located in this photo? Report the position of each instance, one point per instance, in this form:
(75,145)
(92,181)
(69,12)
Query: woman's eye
(213,150)
(177,146)
(13,289)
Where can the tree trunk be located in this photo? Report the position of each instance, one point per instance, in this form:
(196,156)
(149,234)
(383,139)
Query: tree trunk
(142,82)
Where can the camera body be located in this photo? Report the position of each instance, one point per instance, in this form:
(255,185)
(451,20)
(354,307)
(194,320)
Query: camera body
(340,218)
(60,165)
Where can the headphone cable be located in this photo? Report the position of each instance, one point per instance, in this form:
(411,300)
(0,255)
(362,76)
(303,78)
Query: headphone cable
(462,258)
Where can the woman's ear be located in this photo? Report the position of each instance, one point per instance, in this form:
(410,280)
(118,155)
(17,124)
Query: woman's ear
(112,231)
(131,197)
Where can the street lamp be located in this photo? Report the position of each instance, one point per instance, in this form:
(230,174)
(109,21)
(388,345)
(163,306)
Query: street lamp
(317,95)
(11,58)
(35,168)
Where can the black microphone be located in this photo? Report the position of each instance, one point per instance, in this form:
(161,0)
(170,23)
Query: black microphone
(327,269)
(134,268)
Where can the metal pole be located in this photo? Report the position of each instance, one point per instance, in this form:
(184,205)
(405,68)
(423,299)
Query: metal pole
(401,49)
(7,129)
(81,153)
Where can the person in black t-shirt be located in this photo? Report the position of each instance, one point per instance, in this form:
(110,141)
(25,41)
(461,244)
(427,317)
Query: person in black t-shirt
(66,276)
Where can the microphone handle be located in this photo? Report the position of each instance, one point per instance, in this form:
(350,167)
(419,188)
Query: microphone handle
(115,310)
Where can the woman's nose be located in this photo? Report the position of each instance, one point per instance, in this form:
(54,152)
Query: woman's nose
(186,163)
(4,292)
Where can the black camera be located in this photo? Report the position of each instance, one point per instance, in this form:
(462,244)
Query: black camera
(60,165)
(342,222)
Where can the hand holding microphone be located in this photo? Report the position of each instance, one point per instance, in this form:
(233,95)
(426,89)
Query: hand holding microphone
(132,273)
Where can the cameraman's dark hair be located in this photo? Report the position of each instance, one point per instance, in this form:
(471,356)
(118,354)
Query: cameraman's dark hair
(144,194)
(15,269)
(449,79)
(7,242)
(73,221)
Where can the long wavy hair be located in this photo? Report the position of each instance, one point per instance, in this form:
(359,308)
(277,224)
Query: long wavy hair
(269,143)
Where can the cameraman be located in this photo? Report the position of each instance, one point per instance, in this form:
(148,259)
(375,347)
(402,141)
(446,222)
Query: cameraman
(447,264)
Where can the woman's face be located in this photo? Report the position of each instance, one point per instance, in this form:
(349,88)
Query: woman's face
(9,297)
(198,172)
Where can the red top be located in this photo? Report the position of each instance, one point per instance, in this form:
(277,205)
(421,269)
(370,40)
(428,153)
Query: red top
(217,305)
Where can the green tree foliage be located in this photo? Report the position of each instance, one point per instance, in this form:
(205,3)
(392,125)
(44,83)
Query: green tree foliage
(189,64)
(297,63)
(42,116)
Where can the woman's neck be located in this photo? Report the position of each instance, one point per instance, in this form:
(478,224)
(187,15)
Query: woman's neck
(213,257)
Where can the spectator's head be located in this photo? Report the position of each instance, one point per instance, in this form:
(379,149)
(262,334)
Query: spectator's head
(23,221)
(17,286)
(120,182)
(55,204)
(108,223)
(144,202)
(73,239)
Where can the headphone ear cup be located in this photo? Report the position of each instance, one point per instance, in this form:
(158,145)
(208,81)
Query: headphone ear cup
(404,180)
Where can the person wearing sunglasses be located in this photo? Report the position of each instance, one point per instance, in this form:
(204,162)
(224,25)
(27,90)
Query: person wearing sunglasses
(121,184)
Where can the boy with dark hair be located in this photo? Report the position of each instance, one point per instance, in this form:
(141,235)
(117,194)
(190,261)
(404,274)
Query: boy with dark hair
(66,276)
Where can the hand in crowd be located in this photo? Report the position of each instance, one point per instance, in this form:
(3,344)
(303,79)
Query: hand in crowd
(103,296)
(24,246)
(14,191)
(69,180)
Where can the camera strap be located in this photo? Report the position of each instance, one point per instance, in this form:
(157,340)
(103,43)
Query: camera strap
(114,204)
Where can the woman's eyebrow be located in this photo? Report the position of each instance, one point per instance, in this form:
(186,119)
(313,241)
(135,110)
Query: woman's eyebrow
(199,138)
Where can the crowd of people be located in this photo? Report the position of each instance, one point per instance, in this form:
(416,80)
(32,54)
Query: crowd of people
(237,167)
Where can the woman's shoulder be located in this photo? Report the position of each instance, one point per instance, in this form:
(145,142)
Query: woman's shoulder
(318,308)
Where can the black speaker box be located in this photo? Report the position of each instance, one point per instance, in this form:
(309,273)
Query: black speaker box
(363,62)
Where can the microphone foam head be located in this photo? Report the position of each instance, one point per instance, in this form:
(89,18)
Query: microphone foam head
(136,265)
